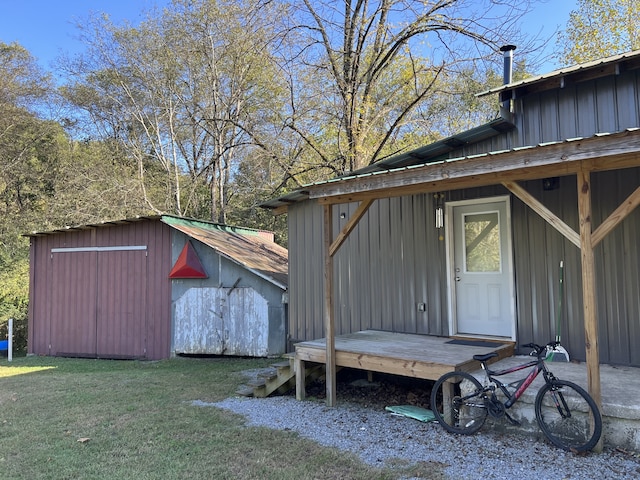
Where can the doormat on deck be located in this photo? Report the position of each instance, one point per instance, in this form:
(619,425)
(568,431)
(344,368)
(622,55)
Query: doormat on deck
(411,411)
(474,343)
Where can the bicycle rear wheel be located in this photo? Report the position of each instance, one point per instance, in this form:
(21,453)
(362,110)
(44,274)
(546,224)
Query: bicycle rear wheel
(458,403)
(564,411)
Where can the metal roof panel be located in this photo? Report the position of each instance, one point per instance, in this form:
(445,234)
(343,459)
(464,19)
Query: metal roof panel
(562,72)
(252,251)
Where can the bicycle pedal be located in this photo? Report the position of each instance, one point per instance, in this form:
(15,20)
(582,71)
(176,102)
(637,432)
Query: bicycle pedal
(512,420)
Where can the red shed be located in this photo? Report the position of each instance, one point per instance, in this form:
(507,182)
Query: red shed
(108,290)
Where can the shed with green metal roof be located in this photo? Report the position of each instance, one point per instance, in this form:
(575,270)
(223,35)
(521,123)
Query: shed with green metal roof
(155,286)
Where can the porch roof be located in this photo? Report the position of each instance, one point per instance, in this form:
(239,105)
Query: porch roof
(603,151)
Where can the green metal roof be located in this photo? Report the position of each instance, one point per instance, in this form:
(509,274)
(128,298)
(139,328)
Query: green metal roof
(174,220)
(252,249)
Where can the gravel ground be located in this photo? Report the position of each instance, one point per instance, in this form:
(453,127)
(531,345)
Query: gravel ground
(378,437)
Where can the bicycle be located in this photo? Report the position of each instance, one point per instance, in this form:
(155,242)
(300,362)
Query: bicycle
(565,412)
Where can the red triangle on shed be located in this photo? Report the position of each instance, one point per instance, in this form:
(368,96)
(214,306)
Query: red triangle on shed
(188,264)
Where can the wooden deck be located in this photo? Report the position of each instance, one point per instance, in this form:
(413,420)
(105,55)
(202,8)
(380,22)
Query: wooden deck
(418,356)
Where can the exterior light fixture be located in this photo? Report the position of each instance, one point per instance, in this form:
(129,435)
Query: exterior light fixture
(439,197)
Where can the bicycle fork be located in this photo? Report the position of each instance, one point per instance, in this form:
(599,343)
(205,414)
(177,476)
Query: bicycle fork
(556,394)
(560,402)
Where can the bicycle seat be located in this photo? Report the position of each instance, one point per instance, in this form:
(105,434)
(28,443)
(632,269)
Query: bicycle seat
(485,357)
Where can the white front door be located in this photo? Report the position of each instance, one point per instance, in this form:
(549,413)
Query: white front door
(482,269)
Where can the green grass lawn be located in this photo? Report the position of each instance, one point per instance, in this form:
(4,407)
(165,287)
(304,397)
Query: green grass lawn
(101,419)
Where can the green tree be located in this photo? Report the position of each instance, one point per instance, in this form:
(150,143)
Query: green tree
(27,165)
(22,83)
(95,181)
(598,29)
(28,147)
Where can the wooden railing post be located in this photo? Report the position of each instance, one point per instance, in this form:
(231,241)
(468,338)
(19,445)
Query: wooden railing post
(589,291)
(329,315)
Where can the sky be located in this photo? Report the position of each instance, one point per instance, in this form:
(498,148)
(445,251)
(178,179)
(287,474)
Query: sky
(47,28)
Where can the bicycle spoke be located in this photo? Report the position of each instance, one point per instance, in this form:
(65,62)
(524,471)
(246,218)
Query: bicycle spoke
(568,416)
(457,402)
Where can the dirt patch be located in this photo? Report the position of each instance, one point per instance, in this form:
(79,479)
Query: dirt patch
(383,390)
(353,386)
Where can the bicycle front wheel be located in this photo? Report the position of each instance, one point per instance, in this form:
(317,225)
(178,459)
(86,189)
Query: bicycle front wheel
(568,416)
(458,403)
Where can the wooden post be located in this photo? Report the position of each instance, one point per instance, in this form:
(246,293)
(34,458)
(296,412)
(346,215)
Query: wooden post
(301,376)
(329,316)
(448,392)
(589,291)
(10,352)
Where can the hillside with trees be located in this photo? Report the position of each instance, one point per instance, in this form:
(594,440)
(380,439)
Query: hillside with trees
(209,107)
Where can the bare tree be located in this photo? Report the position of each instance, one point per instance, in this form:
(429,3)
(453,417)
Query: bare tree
(375,61)
(180,90)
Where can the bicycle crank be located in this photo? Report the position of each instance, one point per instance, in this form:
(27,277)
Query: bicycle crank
(496,408)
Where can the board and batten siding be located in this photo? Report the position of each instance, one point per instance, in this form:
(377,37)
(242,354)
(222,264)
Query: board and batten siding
(231,312)
(101,292)
(221,321)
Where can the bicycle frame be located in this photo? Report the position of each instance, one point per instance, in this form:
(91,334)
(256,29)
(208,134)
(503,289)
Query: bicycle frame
(521,385)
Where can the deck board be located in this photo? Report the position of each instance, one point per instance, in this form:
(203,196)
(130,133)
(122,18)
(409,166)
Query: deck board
(418,356)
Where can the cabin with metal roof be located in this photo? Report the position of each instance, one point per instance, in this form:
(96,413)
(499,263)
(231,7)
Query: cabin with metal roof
(156,286)
(466,237)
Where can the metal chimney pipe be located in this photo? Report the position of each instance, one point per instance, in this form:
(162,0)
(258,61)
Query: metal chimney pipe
(507,51)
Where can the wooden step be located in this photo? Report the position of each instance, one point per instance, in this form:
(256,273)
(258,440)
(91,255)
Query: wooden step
(267,376)
(280,380)
(245,391)
(284,363)
(257,383)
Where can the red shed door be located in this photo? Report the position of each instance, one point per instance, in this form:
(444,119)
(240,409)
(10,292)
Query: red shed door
(98,302)
(121,304)
(72,310)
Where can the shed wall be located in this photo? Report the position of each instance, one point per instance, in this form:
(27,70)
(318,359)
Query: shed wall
(113,303)
(232,312)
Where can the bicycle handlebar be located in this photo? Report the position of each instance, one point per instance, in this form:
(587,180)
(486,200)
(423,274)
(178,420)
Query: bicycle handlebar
(540,349)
